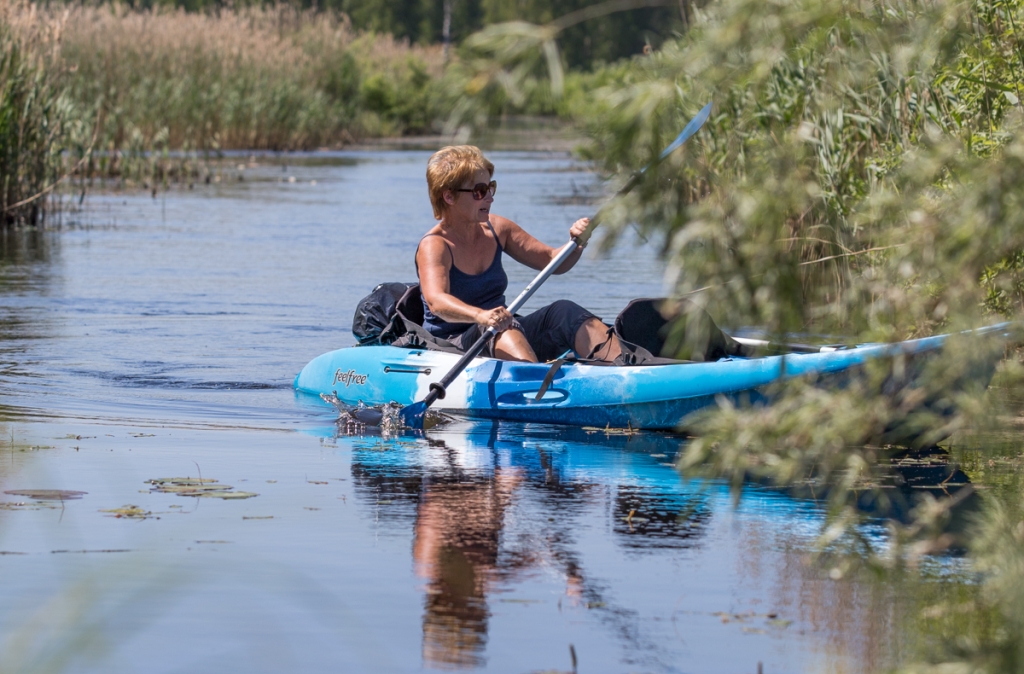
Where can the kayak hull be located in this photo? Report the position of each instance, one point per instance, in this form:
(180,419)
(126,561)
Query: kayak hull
(654,397)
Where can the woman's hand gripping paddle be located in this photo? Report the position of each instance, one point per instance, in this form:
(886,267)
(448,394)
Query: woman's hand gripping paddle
(413,415)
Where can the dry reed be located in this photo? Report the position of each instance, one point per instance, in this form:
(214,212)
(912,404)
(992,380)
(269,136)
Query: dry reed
(275,78)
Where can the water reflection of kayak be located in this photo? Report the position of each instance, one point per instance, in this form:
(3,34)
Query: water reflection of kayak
(647,396)
(493,505)
(649,503)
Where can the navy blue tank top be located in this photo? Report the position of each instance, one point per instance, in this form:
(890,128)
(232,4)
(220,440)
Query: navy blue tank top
(485,290)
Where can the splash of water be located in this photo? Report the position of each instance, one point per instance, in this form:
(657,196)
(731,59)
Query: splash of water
(391,420)
(385,419)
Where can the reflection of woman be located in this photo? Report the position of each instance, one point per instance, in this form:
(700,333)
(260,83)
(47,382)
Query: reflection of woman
(462,280)
(456,550)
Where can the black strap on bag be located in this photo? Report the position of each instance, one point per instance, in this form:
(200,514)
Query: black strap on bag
(406,327)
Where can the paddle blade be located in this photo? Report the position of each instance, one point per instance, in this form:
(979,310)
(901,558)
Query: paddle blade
(369,416)
(413,415)
(688,131)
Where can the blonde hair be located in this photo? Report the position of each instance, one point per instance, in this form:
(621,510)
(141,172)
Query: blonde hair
(449,168)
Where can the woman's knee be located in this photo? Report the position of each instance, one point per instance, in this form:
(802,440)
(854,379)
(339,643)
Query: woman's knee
(513,345)
(572,321)
(592,330)
(594,339)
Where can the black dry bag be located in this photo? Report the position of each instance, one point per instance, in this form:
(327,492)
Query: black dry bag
(376,310)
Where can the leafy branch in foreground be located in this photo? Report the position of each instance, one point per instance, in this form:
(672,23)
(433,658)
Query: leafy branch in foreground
(518,65)
(863,177)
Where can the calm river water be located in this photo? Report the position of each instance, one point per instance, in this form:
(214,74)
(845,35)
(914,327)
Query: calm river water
(158,337)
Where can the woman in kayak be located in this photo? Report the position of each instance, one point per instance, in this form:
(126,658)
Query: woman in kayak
(462,280)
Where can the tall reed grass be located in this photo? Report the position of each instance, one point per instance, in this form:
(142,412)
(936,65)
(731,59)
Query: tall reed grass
(37,118)
(275,78)
(145,96)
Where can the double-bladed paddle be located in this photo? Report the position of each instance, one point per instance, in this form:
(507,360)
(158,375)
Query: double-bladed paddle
(413,415)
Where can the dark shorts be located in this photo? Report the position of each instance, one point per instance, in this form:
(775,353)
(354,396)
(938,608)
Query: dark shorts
(551,330)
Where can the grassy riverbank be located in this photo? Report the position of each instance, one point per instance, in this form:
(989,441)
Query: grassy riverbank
(38,121)
(108,92)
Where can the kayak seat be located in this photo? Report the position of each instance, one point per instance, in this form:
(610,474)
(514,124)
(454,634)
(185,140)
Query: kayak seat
(677,330)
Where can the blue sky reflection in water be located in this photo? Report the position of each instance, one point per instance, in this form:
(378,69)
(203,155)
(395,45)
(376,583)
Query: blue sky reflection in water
(160,337)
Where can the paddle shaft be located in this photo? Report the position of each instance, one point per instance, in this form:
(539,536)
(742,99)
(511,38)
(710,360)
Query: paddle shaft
(437,390)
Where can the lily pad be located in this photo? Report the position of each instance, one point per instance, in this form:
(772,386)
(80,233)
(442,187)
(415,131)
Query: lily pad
(190,486)
(21,505)
(226,495)
(131,512)
(181,480)
(190,490)
(48,494)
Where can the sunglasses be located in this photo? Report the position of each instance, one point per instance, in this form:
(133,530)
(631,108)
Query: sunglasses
(481,190)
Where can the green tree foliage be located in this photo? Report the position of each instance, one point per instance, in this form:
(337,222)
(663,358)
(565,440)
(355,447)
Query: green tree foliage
(862,176)
(603,40)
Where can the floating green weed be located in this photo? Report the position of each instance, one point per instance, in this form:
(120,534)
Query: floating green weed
(130,512)
(197,487)
(48,494)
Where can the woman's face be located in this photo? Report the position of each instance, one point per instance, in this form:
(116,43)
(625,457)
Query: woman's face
(464,207)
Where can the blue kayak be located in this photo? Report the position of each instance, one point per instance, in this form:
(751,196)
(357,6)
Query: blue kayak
(651,396)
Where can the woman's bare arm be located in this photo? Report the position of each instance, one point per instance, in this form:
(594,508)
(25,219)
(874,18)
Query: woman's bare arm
(527,250)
